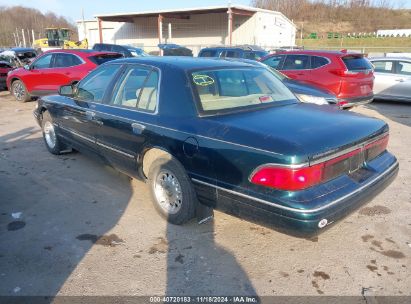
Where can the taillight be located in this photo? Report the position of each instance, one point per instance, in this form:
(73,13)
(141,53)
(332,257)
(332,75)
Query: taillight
(294,179)
(284,178)
(344,73)
(375,148)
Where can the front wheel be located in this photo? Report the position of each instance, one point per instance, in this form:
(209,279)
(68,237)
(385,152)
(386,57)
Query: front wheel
(50,137)
(171,190)
(19,91)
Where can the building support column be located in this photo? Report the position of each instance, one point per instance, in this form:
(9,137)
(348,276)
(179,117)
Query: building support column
(169,33)
(160,31)
(230,26)
(100,30)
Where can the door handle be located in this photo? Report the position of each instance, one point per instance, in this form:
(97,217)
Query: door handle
(138,128)
(400,79)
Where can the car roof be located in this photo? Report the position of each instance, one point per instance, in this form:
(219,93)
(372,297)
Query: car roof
(390,58)
(240,48)
(317,52)
(183,62)
(79,52)
(22,49)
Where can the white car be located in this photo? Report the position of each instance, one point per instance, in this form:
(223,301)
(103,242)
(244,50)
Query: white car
(392,78)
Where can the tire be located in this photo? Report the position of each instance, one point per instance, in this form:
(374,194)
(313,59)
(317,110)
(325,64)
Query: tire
(171,191)
(53,143)
(19,91)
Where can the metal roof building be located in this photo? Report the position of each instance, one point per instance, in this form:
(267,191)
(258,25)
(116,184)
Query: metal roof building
(192,27)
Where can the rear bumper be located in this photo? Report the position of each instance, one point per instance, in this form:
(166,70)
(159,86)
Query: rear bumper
(300,213)
(353,102)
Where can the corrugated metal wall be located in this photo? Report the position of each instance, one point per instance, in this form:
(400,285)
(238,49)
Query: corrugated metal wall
(264,29)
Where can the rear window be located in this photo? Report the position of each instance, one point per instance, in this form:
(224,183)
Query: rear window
(356,63)
(226,90)
(296,62)
(100,59)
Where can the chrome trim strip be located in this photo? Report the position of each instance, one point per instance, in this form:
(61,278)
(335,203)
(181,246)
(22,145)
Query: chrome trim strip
(386,172)
(78,134)
(97,143)
(115,150)
(348,150)
(275,165)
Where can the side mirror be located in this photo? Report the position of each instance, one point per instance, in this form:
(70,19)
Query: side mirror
(26,67)
(66,90)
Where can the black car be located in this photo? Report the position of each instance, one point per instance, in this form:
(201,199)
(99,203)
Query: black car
(229,135)
(125,50)
(172,49)
(245,52)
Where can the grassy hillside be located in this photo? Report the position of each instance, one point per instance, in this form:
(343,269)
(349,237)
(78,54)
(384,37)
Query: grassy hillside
(367,44)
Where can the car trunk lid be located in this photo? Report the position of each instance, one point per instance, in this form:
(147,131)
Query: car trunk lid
(304,131)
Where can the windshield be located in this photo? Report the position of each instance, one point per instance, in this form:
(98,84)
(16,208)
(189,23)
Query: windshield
(225,90)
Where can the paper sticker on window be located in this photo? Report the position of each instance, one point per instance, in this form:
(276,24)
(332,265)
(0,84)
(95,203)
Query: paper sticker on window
(203,80)
(267,98)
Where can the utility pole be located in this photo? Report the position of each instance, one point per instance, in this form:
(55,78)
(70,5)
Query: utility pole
(84,24)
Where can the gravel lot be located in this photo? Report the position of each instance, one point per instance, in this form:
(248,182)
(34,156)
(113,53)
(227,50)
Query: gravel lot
(70,225)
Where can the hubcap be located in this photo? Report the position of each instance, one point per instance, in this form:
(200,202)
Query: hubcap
(167,191)
(50,134)
(19,91)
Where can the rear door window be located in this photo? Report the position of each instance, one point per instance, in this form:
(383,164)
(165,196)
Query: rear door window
(356,63)
(296,62)
(137,89)
(404,68)
(208,53)
(231,54)
(383,66)
(65,60)
(276,62)
(317,62)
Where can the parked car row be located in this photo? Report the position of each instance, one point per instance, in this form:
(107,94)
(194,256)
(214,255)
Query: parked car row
(224,134)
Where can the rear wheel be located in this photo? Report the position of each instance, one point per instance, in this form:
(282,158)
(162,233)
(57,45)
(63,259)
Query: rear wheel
(171,190)
(50,137)
(19,91)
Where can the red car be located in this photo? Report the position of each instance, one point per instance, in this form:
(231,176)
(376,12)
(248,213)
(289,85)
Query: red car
(349,76)
(48,72)
(5,67)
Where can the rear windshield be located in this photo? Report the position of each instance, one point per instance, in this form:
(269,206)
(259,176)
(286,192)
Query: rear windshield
(226,90)
(100,59)
(355,63)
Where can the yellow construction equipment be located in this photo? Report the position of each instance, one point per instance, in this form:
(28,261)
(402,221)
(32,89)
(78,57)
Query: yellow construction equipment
(59,38)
